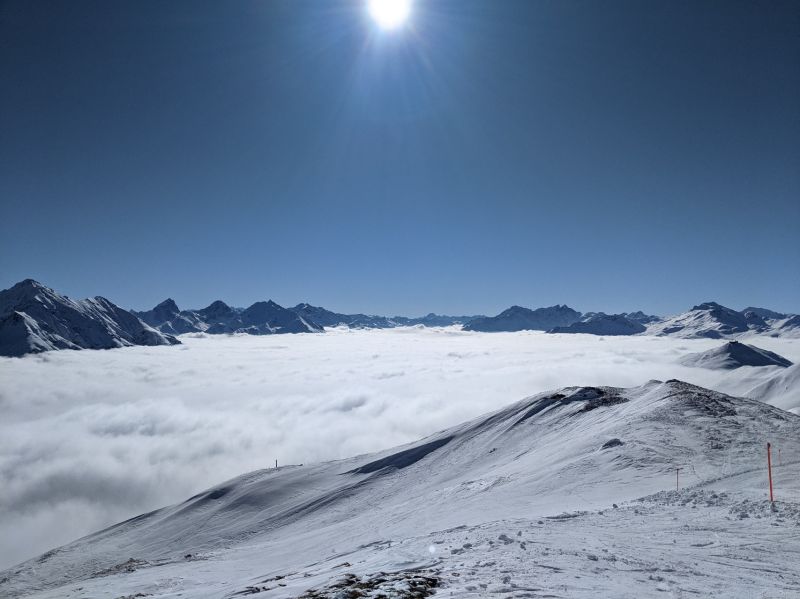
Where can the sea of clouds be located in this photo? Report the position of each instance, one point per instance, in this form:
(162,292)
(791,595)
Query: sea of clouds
(89,438)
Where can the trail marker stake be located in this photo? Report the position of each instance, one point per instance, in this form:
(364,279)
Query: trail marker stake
(677,480)
(769,470)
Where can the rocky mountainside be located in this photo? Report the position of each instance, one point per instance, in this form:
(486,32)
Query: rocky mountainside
(35,318)
(262,318)
(327,318)
(604,324)
(517,318)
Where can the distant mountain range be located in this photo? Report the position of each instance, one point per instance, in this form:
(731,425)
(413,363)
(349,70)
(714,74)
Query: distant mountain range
(517,318)
(262,318)
(35,318)
(326,318)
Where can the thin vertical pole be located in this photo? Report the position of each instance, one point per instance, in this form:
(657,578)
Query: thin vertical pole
(769,470)
(276,463)
(677,480)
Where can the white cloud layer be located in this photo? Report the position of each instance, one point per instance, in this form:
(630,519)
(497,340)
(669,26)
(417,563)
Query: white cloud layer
(89,438)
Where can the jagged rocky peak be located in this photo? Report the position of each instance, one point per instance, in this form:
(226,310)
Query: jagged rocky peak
(163,312)
(27,289)
(31,284)
(168,305)
(216,309)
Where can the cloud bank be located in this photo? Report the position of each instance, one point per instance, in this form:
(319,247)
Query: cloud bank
(89,438)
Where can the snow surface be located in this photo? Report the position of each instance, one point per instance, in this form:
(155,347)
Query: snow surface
(568,493)
(781,390)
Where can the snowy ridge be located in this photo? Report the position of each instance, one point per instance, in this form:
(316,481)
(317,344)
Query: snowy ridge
(734,354)
(34,318)
(577,449)
(709,320)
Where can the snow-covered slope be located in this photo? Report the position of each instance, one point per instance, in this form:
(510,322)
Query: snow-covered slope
(603,324)
(517,318)
(262,318)
(787,327)
(477,509)
(734,354)
(782,389)
(34,318)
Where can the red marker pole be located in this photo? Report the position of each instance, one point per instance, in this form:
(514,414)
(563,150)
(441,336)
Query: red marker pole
(769,469)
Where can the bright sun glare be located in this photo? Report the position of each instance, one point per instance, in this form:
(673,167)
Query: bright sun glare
(390,14)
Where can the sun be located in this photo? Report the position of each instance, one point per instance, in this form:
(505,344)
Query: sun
(389,14)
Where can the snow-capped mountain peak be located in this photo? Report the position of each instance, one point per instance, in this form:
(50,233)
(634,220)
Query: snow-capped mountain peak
(35,318)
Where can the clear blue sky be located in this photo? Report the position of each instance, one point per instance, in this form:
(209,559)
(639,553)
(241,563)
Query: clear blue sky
(608,155)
